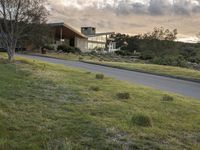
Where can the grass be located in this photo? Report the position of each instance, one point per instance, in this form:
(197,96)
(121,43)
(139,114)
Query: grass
(152,68)
(46,106)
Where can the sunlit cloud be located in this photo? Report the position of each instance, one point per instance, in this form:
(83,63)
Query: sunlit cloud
(128,16)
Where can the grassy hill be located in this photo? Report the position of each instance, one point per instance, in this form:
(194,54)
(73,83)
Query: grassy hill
(47,106)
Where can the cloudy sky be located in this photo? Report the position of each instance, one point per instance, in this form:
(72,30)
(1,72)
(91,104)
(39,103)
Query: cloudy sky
(129,16)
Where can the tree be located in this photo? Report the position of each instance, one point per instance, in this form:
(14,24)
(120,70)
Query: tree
(161,34)
(17,20)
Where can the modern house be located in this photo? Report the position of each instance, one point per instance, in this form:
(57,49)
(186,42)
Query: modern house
(86,40)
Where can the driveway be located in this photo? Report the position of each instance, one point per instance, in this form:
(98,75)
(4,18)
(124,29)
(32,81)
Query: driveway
(182,87)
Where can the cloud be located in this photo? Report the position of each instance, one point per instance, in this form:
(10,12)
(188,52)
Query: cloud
(128,16)
(124,7)
(159,7)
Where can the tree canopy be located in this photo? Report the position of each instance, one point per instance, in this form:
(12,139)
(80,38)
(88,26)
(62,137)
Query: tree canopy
(18,17)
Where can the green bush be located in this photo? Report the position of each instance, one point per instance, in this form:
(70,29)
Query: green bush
(3,50)
(124,53)
(123,95)
(68,49)
(95,88)
(48,47)
(170,60)
(99,76)
(147,55)
(167,98)
(141,120)
(80,58)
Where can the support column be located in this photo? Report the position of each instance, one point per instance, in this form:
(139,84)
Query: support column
(106,45)
(61,34)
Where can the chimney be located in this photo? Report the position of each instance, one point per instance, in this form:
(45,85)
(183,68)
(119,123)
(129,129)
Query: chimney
(88,31)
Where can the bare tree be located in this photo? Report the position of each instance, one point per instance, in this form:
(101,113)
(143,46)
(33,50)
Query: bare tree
(17,18)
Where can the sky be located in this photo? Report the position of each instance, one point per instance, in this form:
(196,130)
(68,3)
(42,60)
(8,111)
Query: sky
(130,16)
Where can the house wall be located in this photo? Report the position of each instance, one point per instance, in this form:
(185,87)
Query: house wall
(82,44)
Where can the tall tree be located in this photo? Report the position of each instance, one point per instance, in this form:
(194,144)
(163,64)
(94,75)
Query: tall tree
(17,19)
(161,34)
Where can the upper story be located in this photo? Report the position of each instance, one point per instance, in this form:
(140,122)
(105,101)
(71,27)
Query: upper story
(87,39)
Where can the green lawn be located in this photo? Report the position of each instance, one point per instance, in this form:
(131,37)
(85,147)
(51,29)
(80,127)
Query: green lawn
(151,68)
(52,107)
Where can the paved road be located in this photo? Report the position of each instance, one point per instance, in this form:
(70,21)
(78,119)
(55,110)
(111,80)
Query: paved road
(181,87)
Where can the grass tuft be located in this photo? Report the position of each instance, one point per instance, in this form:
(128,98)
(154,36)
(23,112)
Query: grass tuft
(123,95)
(100,76)
(88,72)
(95,88)
(168,98)
(141,120)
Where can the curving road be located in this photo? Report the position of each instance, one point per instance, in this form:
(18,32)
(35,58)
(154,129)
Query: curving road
(182,87)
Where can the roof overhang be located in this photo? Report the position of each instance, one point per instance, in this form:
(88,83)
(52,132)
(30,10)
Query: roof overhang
(100,34)
(67,31)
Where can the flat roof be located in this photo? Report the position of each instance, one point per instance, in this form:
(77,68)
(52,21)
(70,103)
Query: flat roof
(70,31)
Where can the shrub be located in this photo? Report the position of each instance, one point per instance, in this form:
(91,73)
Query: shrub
(48,47)
(141,120)
(95,88)
(80,58)
(147,55)
(124,53)
(68,49)
(77,50)
(3,50)
(43,51)
(170,60)
(167,98)
(123,95)
(99,76)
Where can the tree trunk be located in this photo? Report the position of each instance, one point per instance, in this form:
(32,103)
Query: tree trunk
(11,53)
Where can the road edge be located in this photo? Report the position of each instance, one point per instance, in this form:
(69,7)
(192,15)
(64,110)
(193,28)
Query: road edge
(118,67)
(141,71)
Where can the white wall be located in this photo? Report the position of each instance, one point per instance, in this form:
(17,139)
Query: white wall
(82,44)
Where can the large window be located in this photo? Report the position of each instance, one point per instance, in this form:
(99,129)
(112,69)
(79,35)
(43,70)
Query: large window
(101,38)
(94,46)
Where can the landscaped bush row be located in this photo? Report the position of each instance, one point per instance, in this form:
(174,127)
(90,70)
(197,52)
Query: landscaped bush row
(68,49)
(64,48)
(155,48)
(48,47)
(170,61)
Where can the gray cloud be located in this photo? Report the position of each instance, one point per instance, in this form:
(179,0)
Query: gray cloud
(151,7)
(128,16)
(159,7)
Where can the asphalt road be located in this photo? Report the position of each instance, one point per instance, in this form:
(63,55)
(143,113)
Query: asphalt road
(182,87)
